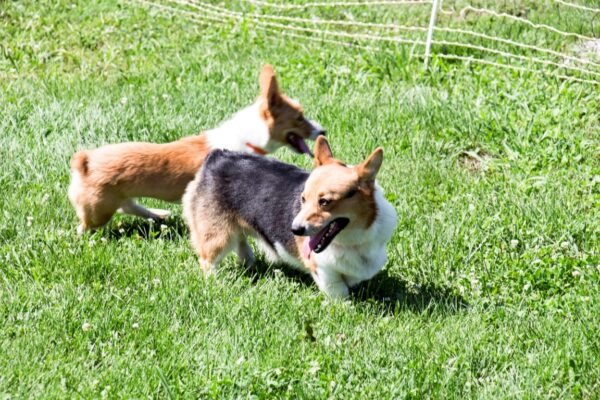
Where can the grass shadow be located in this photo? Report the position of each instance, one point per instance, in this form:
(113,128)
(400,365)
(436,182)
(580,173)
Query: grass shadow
(392,294)
(170,229)
(387,293)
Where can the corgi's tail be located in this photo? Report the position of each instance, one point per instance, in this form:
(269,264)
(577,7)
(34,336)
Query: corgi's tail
(79,162)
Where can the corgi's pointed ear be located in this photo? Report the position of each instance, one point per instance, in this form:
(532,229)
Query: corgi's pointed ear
(323,154)
(268,86)
(368,169)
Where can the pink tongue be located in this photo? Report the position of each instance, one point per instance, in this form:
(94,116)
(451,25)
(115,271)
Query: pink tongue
(306,249)
(310,243)
(300,144)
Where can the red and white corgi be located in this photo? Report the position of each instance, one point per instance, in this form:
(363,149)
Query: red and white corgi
(334,223)
(109,178)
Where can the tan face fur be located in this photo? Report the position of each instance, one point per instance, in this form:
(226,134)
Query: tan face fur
(334,190)
(283,115)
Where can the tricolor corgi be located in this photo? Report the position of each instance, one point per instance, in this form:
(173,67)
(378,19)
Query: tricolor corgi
(109,178)
(333,222)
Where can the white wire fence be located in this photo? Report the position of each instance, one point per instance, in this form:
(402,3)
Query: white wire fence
(557,38)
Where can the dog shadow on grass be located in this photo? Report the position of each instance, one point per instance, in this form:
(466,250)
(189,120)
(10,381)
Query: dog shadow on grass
(170,229)
(392,294)
(387,293)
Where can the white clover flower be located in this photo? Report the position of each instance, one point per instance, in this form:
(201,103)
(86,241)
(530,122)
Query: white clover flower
(86,327)
(514,243)
(564,245)
(123,100)
(135,325)
(314,367)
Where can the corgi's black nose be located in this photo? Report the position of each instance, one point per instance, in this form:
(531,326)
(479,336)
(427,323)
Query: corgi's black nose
(321,132)
(298,230)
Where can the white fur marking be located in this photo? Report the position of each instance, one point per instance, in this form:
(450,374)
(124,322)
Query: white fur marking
(246,126)
(317,129)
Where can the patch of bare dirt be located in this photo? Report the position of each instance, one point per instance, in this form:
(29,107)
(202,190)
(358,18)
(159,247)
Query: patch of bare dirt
(475,161)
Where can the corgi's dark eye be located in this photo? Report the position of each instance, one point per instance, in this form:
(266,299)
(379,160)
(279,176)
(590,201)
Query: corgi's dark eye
(351,193)
(300,118)
(302,199)
(324,202)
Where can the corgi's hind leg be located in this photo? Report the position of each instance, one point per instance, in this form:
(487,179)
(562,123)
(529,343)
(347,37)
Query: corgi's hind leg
(213,236)
(132,208)
(92,218)
(244,252)
(93,211)
(211,252)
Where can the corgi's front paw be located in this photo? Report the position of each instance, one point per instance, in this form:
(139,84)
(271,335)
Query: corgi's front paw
(331,283)
(80,230)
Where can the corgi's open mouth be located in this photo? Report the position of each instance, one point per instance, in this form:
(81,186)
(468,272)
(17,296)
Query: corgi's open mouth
(325,236)
(298,144)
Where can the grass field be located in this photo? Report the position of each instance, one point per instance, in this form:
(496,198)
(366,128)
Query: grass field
(492,288)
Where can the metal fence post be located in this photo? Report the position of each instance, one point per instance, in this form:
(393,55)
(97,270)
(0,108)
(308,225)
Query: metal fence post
(434,10)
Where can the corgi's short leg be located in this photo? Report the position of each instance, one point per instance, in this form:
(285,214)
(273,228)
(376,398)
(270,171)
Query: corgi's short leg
(133,208)
(94,206)
(244,252)
(212,239)
(94,214)
(208,267)
(210,257)
(352,281)
(81,229)
(331,282)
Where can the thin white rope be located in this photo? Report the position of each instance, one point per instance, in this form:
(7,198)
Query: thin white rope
(522,20)
(400,27)
(317,39)
(207,18)
(578,6)
(178,11)
(280,6)
(517,44)
(513,67)
(518,56)
(318,21)
(220,11)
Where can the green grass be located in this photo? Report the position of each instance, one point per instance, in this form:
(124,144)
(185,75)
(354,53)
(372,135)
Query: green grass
(492,286)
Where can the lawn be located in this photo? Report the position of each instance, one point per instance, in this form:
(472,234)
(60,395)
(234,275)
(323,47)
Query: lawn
(492,287)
